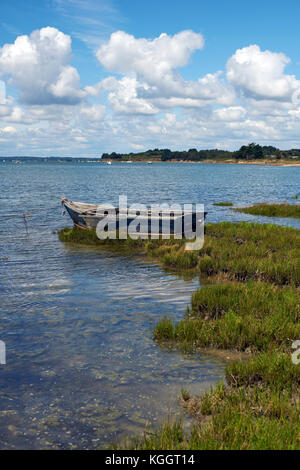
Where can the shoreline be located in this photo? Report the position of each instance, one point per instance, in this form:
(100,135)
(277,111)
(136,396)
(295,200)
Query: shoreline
(235,319)
(225,162)
(259,163)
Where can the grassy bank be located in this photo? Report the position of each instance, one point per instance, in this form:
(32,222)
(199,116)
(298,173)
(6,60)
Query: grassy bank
(252,316)
(253,305)
(89,237)
(239,252)
(232,251)
(258,408)
(272,210)
(223,204)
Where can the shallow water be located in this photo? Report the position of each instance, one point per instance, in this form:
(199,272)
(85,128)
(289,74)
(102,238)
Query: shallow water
(82,367)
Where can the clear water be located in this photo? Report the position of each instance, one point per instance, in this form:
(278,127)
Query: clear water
(82,368)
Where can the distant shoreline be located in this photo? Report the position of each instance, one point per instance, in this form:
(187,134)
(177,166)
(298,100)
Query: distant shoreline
(261,162)
(227,162)
(250,162)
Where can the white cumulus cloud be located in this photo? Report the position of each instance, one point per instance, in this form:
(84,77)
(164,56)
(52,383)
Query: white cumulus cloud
(260,74)
(39,65)
(151,59)
(151,77)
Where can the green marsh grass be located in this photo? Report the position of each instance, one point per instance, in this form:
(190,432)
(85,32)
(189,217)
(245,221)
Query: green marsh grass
(235,251)
(253,306)
(89,237)
(257,409)
(228,418)
(272,210)
(223,204)
(251,316)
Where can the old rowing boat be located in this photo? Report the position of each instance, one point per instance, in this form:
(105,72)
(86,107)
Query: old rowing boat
(152,221)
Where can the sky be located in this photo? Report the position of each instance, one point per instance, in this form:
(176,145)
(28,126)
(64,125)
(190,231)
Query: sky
(83,77)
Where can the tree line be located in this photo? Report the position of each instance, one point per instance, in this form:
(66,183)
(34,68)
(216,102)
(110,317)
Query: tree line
(251,151)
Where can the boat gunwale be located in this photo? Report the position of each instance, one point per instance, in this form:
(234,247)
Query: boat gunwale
(150,212)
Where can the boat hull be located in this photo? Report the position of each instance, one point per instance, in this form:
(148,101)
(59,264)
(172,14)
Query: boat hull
(153,223)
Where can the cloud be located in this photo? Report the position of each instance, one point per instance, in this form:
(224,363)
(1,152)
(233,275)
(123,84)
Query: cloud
(10,113)
(94,112)
(144,102)
(7,133)
(260,74)
(67,86)
(124,98)
(151,78)
(81,139)
(151,59)
(39,65)
(232,113)
(8,130)
(137,146)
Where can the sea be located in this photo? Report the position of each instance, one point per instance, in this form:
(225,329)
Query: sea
(82,369)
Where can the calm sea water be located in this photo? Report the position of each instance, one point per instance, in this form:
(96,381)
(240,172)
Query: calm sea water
(82,368)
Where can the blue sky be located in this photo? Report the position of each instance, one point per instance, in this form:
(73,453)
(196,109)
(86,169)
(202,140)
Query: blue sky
(86,76)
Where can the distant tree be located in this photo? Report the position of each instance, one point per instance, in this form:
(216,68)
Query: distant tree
(269,150)
(115,156)
(250,151)
(166,155)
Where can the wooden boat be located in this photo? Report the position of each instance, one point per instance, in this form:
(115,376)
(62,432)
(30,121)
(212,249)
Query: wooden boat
(87,216)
